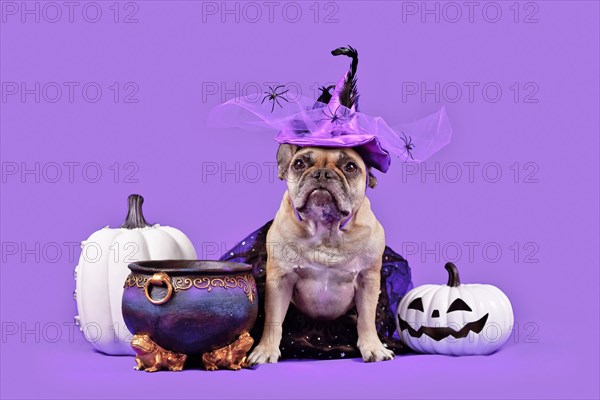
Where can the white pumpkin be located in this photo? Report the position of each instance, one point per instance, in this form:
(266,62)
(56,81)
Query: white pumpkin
(102,270)
(455,319)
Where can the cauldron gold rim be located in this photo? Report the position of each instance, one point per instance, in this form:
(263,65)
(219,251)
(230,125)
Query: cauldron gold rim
(244,281)
(189,267)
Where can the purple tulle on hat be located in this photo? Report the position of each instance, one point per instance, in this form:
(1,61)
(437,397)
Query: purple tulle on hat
(304,122)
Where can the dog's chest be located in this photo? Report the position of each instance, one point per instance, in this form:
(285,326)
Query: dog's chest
(323,291)
(337,274)
(325,264)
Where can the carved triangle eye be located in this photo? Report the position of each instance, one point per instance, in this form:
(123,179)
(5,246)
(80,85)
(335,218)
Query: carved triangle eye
(416,304)
(459,305)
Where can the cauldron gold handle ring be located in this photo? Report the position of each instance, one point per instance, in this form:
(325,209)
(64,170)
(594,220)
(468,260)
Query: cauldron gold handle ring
(159,279)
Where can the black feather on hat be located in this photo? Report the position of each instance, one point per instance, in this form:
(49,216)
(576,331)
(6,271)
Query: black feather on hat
(349,93)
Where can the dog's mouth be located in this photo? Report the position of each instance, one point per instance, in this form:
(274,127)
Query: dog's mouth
(323,198)
(439,333)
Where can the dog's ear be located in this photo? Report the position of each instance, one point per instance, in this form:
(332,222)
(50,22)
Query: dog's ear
(372,182)
(284,157)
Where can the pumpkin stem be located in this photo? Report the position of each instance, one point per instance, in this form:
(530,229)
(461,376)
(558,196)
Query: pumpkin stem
(135,217)
(453,278)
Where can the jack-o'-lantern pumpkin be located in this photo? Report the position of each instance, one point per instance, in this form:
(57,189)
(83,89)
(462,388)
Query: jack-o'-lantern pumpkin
(455,319)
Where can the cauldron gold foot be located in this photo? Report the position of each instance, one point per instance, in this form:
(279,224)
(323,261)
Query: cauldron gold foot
(150,357)
(232,356)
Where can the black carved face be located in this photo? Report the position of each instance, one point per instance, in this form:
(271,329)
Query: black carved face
(439,333)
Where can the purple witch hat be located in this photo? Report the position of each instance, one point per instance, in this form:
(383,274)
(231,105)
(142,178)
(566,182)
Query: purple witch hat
(334,121)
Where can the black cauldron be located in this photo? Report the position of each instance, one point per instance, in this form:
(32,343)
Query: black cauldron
(188,306)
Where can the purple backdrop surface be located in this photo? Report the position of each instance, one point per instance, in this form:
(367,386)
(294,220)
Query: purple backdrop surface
(103,99)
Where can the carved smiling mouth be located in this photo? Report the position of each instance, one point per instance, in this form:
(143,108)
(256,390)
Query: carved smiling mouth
(440,333)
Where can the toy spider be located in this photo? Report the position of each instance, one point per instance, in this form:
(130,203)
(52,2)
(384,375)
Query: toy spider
(408,145)
(274,96)
(334,117)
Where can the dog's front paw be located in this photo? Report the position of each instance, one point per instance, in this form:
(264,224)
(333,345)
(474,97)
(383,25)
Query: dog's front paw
(263,354)
(374,350)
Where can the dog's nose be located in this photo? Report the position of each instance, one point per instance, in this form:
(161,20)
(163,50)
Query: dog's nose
(322,174)
(435,314)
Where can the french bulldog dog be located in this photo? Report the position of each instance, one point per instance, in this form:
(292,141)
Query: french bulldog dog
(324,247)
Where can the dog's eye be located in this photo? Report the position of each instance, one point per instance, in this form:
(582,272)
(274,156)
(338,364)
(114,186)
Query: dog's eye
(351,168)
(299,164)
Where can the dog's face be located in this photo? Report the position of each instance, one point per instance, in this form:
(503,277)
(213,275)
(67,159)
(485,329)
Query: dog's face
(325,184)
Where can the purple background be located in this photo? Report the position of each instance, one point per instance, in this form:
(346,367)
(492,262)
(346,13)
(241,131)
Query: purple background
(176,55)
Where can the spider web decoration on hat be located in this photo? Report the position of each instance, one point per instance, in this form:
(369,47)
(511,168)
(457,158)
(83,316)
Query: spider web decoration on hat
(334,121)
